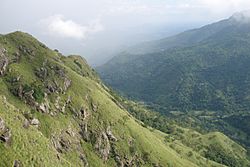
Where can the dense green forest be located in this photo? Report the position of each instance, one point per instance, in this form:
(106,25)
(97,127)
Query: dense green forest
(199,78)
(173,126)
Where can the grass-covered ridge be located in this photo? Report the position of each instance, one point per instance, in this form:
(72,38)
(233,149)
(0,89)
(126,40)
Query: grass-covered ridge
(55,111)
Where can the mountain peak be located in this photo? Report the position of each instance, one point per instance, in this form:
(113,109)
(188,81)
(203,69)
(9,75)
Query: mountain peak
(20,33)
(243,17)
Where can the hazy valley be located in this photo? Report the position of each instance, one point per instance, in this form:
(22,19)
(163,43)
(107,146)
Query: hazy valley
(124,83)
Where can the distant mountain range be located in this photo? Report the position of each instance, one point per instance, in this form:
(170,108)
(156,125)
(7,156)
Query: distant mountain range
(205,69)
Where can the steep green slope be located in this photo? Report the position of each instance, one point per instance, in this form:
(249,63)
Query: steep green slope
(214,145)
(54,111)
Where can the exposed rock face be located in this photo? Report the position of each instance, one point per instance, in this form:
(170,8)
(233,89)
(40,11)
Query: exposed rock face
(35,122)
(26,93)
(54,76)
(103,146)
(117,157)
(61,144)
(2,125)
(51,87)
(6,136)
(5,132)
(44,107)
(133,161)
(59,71)
(62,105)
(68,100)
(64,144)
(3,61)
(20,91)
(26,50)
(29,94)
(70,132)
(63,108)
(17,163)
(26,123)
(57,105)
(84,160)
(54,87)
(84,132)
(65,141)
(94,107)
(119,161)
(110,135)
(68,140)
(41,73)
(67,83)
(29,98)
(83,113)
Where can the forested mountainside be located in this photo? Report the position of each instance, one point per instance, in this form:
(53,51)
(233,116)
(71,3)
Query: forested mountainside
(201,74)
(55,111)
(213,74)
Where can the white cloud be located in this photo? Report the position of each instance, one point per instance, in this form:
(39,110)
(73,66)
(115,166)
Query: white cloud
(57,25)
(180,6)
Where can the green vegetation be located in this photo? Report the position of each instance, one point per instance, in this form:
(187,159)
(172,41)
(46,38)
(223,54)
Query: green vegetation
(55,111)
(199,78)
(214,146)
(217,154)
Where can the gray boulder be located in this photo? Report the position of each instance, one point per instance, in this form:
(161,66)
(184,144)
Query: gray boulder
(35,122)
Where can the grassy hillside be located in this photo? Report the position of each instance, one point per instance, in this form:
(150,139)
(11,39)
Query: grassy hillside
(54,111)
(212,145)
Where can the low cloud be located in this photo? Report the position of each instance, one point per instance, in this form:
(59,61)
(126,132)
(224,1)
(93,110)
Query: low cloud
(58,26)
(243,17)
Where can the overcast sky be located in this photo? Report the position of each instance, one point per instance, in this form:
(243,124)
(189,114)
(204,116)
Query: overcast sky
(95,28)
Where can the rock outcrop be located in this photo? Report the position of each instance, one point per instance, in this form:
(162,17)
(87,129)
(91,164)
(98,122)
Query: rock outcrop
(5,132)
(84,113)
(84,132)
(94,107)
(67,83)
(84,160)
(26,123)
(41,73)
(17,163)
(61,143)
(3,61)
(35,122)
(102,145)
(110,135)
(26,50)
(61,105)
